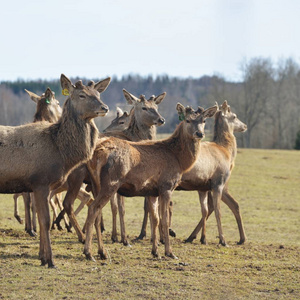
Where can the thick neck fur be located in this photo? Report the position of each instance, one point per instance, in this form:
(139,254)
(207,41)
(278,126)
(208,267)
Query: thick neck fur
(185,148)
(224,136)
(75,137)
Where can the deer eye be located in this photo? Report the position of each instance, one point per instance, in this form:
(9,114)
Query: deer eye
(82,96)
(121,123)
(188,121)
(144,108)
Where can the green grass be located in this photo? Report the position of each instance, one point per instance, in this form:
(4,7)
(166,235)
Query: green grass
(267,185)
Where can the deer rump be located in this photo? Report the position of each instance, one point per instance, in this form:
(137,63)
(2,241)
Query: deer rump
(24,158)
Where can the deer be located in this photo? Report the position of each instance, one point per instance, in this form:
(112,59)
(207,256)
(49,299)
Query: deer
(211,172)
(144,117)
(226,123)
(38,157)
(120,122)
(123,166)
(47,110)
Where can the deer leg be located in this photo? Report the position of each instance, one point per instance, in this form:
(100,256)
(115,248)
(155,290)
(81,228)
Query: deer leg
(33,212)
(114,211)
(165,202)
(216,195)
(59,203)
(121,206)
(204,211)
(145,219)
(193,235)
(171,231)
(234,206)
(154,216)
(94,211)
(42,207)
(16,209)
(85,198)
(102,253)
(28,223)
(54,210)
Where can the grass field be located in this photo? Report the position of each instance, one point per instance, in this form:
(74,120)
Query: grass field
(267,185)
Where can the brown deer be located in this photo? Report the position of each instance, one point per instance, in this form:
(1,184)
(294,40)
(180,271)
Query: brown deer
(49,110)
(144,118)
(121,121)
(38,157)
(122,166)
(142,126)
(203,172)
(211,172)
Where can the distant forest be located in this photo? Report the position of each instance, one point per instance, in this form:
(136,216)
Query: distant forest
(267,100)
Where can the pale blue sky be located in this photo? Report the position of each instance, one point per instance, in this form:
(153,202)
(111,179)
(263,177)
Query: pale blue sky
(98,38)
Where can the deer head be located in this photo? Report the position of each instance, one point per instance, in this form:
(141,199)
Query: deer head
(230,119)
(194,121)
(48,107)
(146,111)
(120,123)
(86,98)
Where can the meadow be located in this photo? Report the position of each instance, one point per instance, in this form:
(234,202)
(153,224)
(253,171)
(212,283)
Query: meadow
(267,185)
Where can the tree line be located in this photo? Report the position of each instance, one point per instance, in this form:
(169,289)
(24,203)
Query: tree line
(267,99)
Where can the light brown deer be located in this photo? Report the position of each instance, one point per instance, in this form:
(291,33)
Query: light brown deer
(142,125)
(122,166)
(212,171)
(38,157)
(49,110)
(207,169)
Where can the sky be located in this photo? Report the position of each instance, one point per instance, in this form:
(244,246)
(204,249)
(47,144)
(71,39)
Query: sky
(100,38)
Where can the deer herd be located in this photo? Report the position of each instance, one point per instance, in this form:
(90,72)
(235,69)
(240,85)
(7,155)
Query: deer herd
(62,150)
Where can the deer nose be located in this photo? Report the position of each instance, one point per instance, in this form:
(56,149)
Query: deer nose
(104,107)
(161,121)
(200,134)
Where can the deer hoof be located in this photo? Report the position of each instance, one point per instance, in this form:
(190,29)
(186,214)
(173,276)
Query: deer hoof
(155,254)
(203,241)
(141,236)
(90,257)
(31,233)
(172,232)
(171,255)
(189,239)
(103,255)
(51,265)
(19,219)
(241,242)
(223,243)
(81,240)
(125,243)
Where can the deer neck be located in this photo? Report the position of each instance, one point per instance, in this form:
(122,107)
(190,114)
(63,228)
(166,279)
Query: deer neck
(185,148)
(75,137)
(138,131)
(224,137)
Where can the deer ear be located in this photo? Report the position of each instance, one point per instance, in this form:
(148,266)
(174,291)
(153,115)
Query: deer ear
(158,99)
(131,99)
(34,97)
(66,84)
(210,112)
(49,93)
(180,108)
(119,112)
(102,85)
(225,107)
